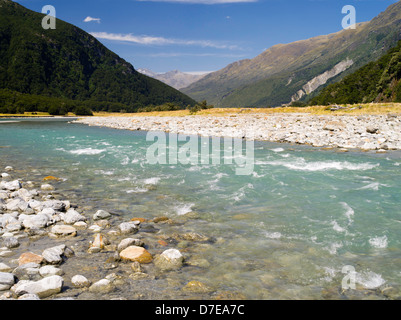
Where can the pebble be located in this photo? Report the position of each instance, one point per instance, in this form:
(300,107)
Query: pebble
(29,257)
(169,260)
(4,267)
(42,288)
(95,228)
(99,243)
(46,187)
(129,227)
(47,271)
(125,243)
(339,131)
(54,255)
(72,216)
(196,287)
(80,281)
(63,230)
(102,286)
(11,242)
(135,253)
(101,214)
(6,280)
(29,296)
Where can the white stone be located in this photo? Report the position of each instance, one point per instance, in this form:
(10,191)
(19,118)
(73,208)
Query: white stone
(5,175)
(54,255)
(29,296)
(101,214)
(125,243)
(6,253)
(128,227)
(11,186)
(48,211)
(47,271)
(35,205)
(80,281)
(72,216)
(6,280)
(170,259)
(101,286)
(46,187)
(54,204)
(36,221)
(43,288)
(4,267)
(95,228)
(80,224)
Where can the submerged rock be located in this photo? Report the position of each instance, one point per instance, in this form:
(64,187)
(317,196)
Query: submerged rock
(46,187)
(102,286)
(101,214)
(125,243)
(169,260)
(80,281)
(129,227)
(196,287)
(99,243)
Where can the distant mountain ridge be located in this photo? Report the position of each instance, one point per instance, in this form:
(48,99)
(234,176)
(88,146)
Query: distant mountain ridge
(69,63)
(284,72)
(174,78)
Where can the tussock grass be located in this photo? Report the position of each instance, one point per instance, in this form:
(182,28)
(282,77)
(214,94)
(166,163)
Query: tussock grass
(26,114)
(366,109)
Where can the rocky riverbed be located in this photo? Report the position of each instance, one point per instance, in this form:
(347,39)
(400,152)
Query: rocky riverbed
(51,248)
(365,132)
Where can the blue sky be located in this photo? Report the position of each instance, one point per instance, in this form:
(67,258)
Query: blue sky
(203,35)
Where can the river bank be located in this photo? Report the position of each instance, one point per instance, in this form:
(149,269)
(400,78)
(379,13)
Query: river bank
(53,248)
(364,132)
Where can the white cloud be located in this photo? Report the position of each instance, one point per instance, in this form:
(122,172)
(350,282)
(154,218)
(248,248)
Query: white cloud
(150,40)
(201,1)
(90,19)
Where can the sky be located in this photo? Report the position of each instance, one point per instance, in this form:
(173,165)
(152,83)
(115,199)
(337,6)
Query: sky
(203,35)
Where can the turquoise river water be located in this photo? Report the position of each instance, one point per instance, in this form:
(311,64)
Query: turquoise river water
(286,231)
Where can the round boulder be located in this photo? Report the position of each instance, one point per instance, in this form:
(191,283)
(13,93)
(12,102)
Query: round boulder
(169,260)
(135,253)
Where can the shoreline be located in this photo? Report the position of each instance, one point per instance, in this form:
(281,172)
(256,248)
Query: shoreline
(364,132)
(52,248)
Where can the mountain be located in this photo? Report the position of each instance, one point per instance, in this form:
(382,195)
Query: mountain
(69,63)
(299,70)
(378,81)
(175,78)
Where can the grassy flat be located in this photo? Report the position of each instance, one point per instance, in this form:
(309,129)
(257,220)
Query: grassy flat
(366,109)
